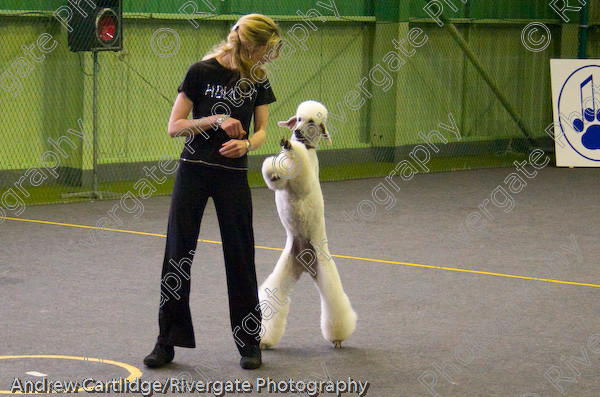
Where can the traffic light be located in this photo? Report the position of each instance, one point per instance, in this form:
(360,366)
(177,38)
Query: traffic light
(98,28)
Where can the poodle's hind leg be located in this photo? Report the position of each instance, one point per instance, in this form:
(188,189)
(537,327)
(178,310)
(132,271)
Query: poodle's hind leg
(274,298)
(338,319)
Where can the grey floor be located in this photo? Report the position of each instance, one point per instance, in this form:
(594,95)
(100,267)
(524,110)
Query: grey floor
(422,331)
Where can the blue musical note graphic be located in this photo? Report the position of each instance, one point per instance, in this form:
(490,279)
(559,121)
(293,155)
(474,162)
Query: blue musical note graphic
(591,132)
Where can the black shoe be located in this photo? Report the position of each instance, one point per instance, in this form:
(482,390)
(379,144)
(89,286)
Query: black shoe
(251,359)
(161,355)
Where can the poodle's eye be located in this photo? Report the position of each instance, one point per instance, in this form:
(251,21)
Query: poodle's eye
(299,119)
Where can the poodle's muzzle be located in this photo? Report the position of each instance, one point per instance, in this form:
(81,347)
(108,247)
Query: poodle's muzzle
(310,134)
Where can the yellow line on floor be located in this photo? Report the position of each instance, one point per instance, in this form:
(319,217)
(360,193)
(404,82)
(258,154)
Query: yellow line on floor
(453,269)
(134,372)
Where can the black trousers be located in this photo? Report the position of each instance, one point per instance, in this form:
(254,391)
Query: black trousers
(194,184)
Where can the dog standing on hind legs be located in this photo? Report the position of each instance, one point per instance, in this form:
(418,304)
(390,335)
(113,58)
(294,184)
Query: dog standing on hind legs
(294,176)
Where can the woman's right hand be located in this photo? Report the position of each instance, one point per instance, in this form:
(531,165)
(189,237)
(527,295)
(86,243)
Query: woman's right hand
(233,128)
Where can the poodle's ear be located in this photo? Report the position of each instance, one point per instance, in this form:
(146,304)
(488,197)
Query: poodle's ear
(289,124)
(325,133)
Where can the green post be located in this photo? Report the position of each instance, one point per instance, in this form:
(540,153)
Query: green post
(383,110)
(583,30)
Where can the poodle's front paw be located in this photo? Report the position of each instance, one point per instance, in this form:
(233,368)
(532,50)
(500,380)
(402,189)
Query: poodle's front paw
(285,143)
(270,174)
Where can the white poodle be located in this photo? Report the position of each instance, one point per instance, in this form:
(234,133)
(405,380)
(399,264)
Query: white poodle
(294,176)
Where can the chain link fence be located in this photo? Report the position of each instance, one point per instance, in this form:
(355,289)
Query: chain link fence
(397,81)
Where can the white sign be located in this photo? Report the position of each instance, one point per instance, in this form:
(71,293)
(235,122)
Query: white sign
(576,107)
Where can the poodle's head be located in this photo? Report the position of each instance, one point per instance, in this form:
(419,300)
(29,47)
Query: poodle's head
(309,124)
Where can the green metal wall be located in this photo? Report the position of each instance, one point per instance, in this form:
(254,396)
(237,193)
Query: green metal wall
(480,9)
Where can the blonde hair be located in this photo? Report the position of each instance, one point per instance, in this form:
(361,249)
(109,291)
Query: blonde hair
(249,33)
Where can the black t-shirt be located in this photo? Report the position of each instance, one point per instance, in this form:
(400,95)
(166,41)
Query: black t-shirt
(214,89)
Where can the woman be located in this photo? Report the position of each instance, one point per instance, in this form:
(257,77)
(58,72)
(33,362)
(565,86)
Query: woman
(224,90)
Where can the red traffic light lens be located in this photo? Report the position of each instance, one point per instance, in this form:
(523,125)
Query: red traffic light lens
(106,26)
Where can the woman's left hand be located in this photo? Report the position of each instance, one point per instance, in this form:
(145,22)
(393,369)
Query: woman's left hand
(234,148)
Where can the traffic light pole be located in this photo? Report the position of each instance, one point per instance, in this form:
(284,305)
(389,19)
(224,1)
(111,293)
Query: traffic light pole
(95,130)
(95,193)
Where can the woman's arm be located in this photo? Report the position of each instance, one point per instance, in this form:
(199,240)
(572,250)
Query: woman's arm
(261,116)
(180,125)
(237,148)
